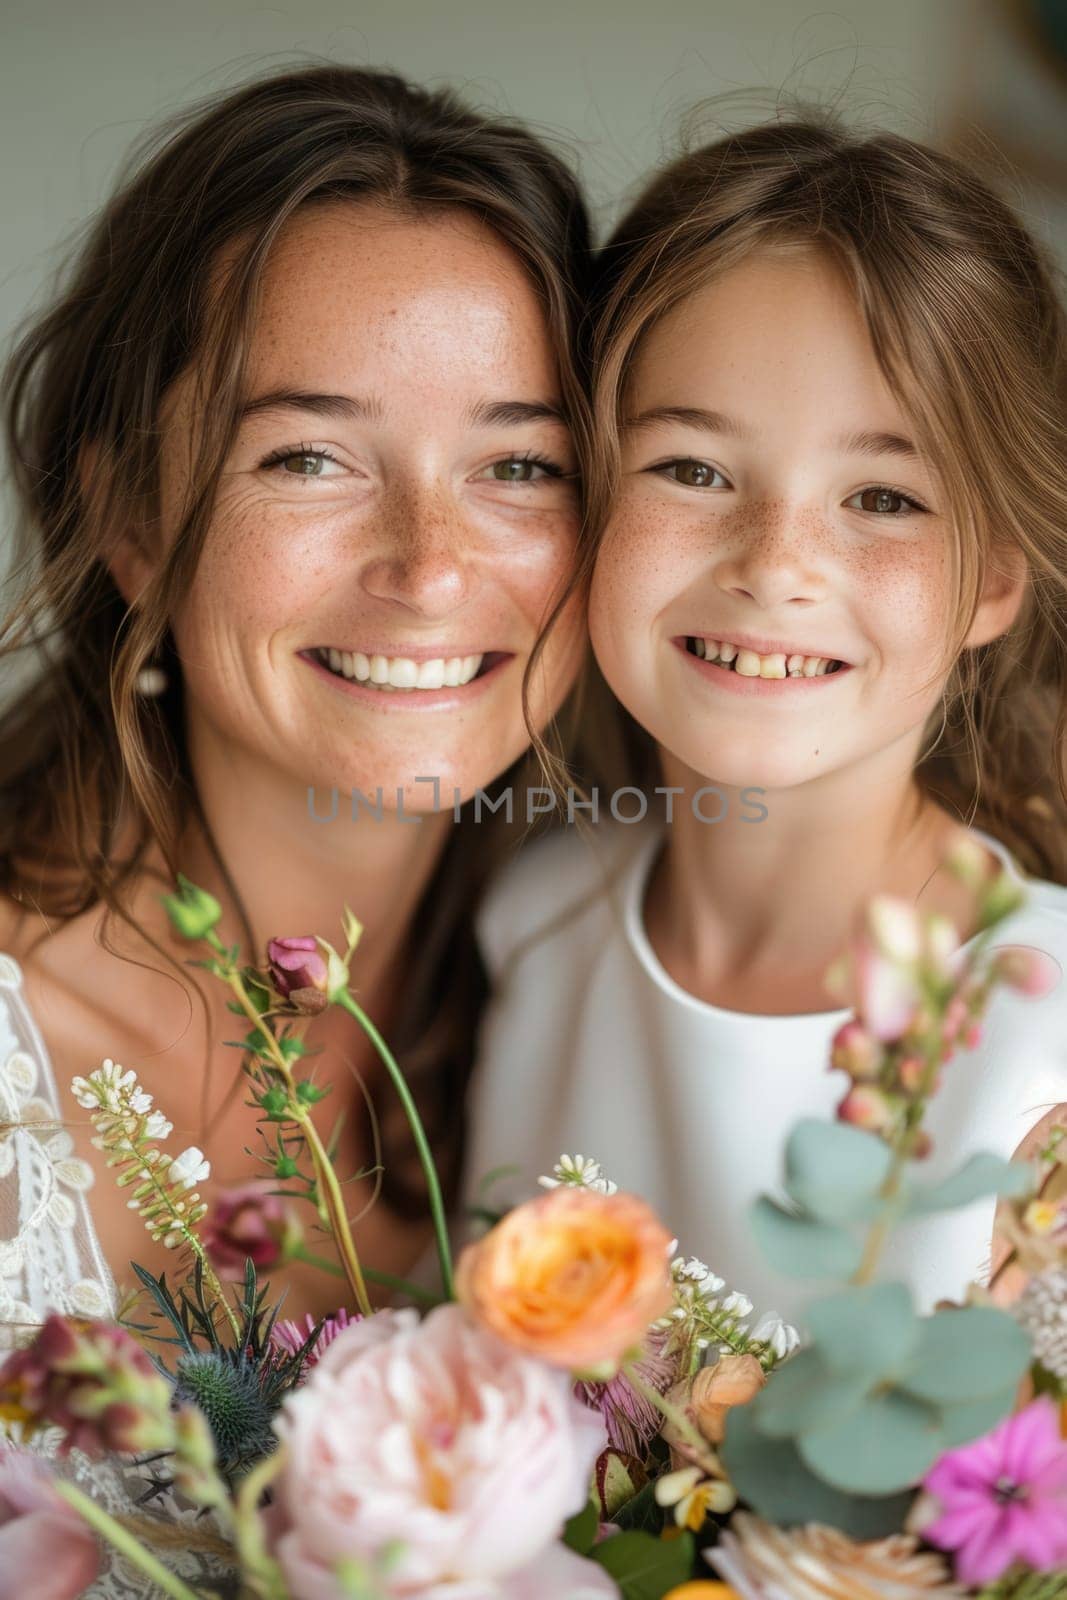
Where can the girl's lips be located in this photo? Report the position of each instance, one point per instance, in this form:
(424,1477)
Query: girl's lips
(411,699)
(726,678)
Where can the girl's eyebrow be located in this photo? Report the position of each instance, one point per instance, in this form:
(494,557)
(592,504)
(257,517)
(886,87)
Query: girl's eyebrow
(357,408)
(864,443)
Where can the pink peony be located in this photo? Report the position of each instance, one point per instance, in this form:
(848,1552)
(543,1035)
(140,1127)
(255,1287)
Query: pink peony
(46,1550)
(1003,1498)
(440,1458)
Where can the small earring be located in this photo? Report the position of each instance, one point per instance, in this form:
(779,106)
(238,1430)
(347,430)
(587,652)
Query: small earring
(151,681)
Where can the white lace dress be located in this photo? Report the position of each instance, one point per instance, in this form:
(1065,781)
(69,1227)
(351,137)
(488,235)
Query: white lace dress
(50,1260)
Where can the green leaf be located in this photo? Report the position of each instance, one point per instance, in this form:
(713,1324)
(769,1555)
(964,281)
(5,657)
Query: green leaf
(640,1513)
(618,1478)
(983,1174)
(646,1568)
(803,1393)
(969,1421)
(578,1534)
(835,1171)
(966,1355)
(871,1329)
(770,1476)
(801,1246)
(883,1446)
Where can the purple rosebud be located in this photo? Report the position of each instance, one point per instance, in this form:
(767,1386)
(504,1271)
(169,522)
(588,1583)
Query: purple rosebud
(298,970)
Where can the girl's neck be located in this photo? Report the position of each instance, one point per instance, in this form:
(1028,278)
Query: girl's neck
(749,915)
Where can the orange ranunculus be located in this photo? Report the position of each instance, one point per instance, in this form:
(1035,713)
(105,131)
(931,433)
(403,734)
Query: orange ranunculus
(574,1277)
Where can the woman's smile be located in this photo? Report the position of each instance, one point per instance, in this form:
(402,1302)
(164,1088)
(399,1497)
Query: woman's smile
(422,681)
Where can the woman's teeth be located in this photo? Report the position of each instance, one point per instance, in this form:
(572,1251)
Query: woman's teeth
(749,665)
(401,672)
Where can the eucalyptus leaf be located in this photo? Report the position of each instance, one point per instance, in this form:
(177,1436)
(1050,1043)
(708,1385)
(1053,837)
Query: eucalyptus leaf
(969,1421)
(981,1175)
(967,1354)
(805,1392)
(835,1171)
(870,1328)
(802,1246)
(885,1445)
(769,1475)
(646,1568)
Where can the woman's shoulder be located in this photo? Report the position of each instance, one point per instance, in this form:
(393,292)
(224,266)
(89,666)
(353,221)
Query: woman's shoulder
(560,880)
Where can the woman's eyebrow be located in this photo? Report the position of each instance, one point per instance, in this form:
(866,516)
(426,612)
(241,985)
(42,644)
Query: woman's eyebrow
(357,408)
(865,442)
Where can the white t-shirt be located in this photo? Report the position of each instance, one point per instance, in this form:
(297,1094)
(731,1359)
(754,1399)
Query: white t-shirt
(589,1047)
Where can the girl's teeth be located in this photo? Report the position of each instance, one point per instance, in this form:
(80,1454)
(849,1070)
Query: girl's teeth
(393,673)
(751,665)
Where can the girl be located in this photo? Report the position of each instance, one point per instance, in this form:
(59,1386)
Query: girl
(296,450)
(830,591)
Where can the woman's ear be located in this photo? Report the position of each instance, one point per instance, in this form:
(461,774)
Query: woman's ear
(125,556)
(1002,594)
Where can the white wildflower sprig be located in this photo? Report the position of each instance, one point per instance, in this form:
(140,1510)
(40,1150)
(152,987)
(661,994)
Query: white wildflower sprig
(127,1131)
(579,1172)
(707,1316)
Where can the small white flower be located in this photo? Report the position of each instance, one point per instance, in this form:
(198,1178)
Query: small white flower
(580,1172)
(739,1305)
(157,1126)
(189,1168)
(112,1089)
(776,1334)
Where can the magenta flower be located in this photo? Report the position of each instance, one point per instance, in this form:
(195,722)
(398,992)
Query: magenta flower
(46,1549)
(298,970)
(289,1336)
(1003,1498)
(245,1222)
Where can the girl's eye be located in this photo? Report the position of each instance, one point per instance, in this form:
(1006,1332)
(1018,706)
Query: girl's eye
(303,462)
(529,468)
(693,474)
(885,502)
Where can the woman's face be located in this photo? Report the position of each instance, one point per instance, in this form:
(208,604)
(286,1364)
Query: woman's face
(393,518)
(772,501)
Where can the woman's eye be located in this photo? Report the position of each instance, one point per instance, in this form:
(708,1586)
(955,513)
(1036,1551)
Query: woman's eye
(523,469)
(885,502)
(693,474)
(301,463)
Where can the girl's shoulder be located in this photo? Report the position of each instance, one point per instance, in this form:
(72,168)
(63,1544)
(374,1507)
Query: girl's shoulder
(559,883)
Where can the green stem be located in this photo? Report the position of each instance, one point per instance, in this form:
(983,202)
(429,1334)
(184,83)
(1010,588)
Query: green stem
(386,1279)
(421,1144)
(125,1542)
(256,1561)
(675,1416)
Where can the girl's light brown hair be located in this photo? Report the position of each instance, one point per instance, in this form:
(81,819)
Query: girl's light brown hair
(966,319)
(84,760)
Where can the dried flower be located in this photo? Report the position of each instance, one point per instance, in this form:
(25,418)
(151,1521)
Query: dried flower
(573,1276)
(247,1222)
(92,1380)
(1003,1498)
(632,1420)
(46,1549)
(815,1563)
(1042,1311)
(707,1397)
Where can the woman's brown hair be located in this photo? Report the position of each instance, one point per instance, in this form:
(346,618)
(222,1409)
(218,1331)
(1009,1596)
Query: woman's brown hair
(967,323)
(80,750)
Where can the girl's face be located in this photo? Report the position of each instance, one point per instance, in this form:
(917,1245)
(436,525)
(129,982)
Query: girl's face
(773,502)
(393,518)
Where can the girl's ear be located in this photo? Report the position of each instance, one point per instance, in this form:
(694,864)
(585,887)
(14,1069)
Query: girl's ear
(1002,594)
(127,560)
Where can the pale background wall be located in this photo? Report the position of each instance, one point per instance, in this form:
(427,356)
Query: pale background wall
(80,80)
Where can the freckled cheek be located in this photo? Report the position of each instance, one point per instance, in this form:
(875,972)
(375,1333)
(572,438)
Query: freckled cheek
(902,600)
(645,561)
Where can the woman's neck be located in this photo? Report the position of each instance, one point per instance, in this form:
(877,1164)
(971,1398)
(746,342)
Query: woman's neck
(750,914)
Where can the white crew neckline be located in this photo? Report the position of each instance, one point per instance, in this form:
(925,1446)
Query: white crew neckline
(633,897)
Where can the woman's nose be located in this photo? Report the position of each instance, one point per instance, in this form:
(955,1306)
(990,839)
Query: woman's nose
(773,558)
(426,559)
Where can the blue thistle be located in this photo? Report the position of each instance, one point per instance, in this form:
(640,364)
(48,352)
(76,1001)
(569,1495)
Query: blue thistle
(229,1391)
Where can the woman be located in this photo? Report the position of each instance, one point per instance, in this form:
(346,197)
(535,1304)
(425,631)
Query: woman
(296,452)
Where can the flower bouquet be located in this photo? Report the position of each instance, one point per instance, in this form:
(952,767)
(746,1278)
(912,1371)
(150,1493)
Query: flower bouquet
(582,1411)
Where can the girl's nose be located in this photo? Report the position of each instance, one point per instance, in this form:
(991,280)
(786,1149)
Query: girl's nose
(772,560)
(426,558)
